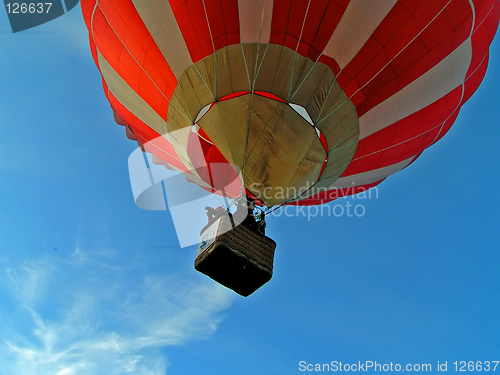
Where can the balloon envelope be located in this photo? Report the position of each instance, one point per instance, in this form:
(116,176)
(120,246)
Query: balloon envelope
(312,100)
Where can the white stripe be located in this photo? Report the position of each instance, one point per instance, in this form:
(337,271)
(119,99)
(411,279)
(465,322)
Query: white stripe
(141,109)
(255,20)
(443,78)
(359,21)
(138,63)
(370,176)
(127,96)
(160,21)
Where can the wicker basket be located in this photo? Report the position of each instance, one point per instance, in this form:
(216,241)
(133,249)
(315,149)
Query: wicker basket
(239,258)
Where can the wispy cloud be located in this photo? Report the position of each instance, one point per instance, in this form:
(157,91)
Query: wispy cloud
(84,316)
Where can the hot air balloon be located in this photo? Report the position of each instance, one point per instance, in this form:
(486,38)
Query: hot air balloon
(311,100)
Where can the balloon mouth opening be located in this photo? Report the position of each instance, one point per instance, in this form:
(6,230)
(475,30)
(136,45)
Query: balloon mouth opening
(275,143)
(302,111)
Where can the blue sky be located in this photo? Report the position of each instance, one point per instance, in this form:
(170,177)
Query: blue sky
(91,284)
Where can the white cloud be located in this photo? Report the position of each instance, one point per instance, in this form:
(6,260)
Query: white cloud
(89,317)
(27,280)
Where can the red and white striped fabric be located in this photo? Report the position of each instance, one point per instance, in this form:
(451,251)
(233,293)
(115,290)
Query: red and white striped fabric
(380,81)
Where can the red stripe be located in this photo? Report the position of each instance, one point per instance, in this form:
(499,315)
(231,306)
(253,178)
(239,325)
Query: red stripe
(118,119)
(321,20)
(447,125)
(470,86)
(105,88)
(487,14)
(87,9)
(477,61)
(281,33)
(487,17)
(192,21)
(395,154)
(391,59)
(474,80)
(398,20)
(415,158)
(93,50)
(140,63)
(483,9)
(405,138)
(223,25)
(223,16)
